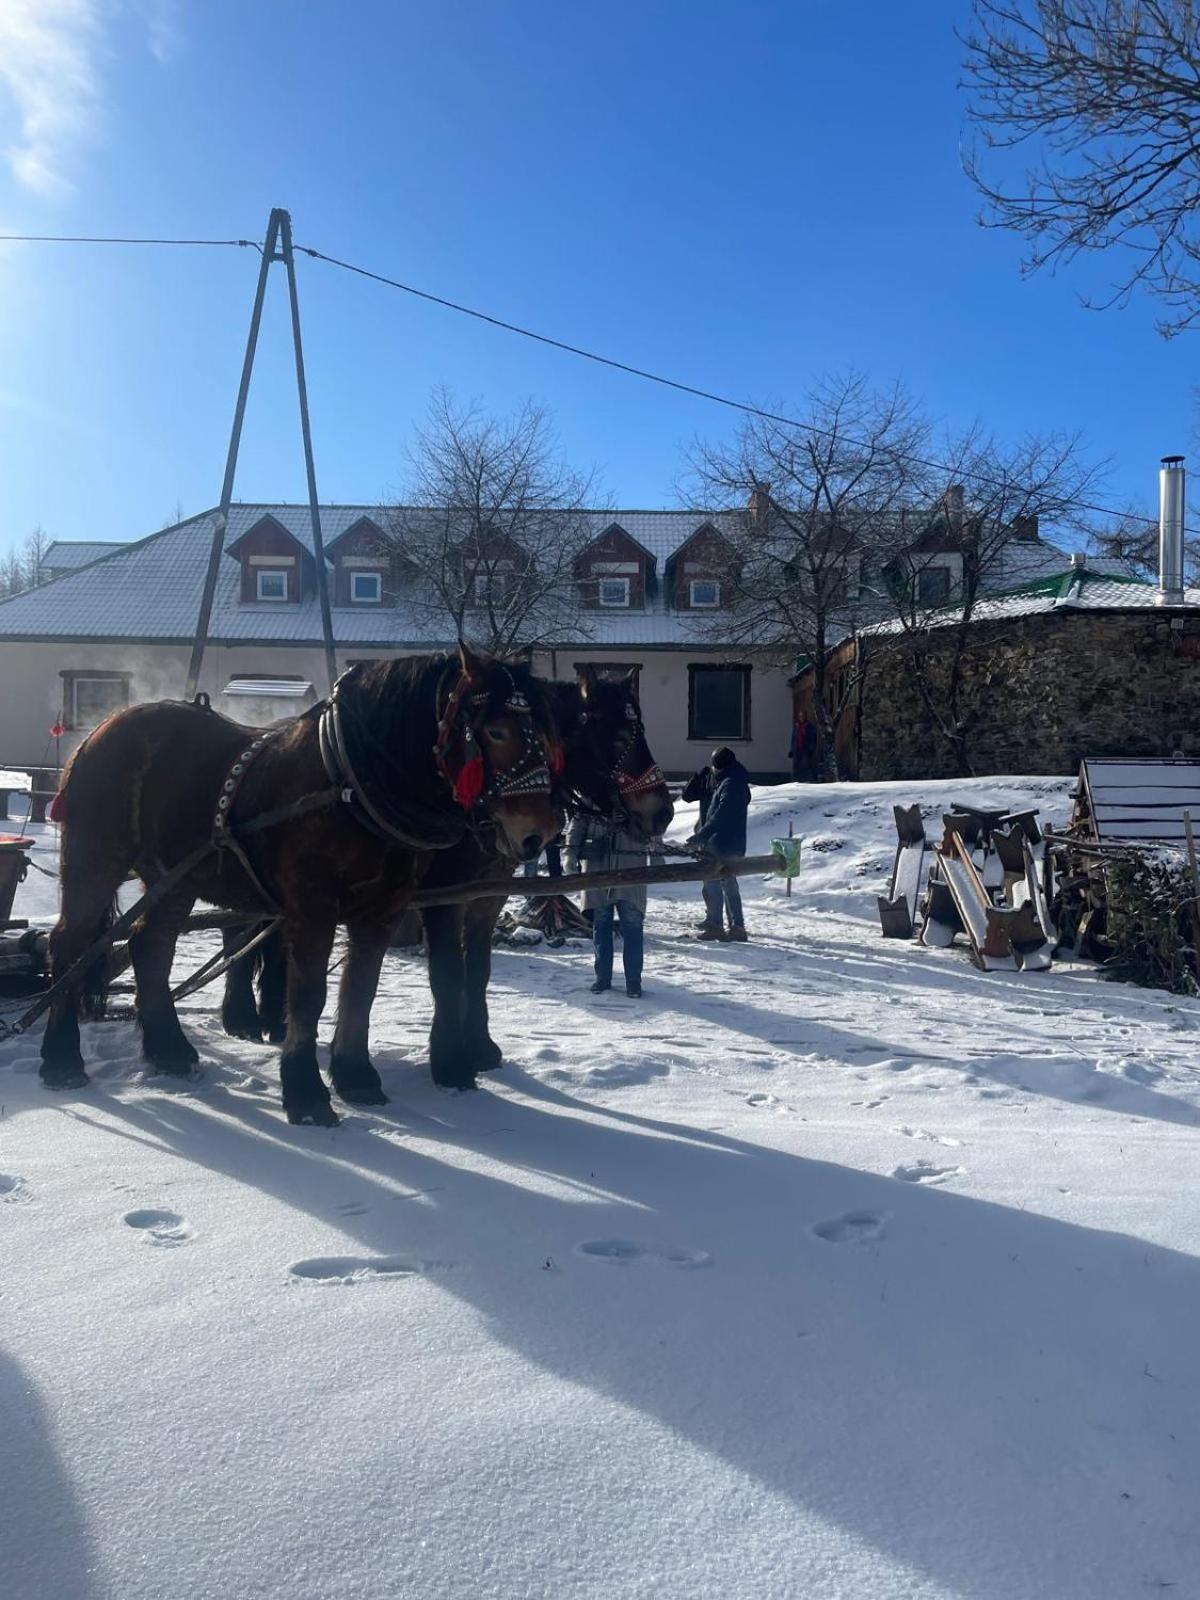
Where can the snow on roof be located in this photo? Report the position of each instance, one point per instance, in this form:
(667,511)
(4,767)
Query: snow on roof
(1127,798)
(66,554)
(150,590)
(269,688)
(1098,586)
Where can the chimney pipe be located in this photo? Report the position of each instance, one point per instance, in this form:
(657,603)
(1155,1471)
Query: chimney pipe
(1171,504)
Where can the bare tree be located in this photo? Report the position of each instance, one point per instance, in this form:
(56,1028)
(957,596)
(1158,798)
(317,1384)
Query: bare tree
(491,528)
(823,497)
(1132,542)
(12,574)
(1008,493)
(33,553)
(1105,95)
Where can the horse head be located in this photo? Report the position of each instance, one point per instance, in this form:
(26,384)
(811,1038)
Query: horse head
(495,734)
(608,763)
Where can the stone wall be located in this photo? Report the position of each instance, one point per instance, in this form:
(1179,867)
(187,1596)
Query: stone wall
(1040,692)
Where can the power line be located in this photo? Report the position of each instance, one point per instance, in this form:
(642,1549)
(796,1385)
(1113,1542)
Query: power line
(79,238)
(576,350)
(688,388)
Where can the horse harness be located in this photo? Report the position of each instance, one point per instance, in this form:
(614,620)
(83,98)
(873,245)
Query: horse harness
(476,781)
(630,783)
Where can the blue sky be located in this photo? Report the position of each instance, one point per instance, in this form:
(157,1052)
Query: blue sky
(743,196)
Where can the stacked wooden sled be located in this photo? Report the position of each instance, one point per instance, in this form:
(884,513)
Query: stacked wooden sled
(987,879)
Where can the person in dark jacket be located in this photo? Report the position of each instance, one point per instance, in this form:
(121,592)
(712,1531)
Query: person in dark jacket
(803,750)
(722,833)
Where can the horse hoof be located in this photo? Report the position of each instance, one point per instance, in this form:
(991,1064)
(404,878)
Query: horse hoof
(317,1114)
(70,1075)
(455,1080)
(178,1064)
(249,1030)
(364,1094)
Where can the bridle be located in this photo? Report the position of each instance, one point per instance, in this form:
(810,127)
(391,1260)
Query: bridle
(478,780)
(628,783)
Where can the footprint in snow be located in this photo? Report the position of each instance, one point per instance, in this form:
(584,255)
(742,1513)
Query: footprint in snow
(14,1190)
(353,1269)
(854,1227)
(353,1208)
(934,1138)
(622,1252)
(926,1173)
(159,1227)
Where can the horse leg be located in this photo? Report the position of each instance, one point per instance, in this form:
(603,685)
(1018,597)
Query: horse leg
(305,1097)
(239,1010)
(354,1077)
(448,1058)
(152,947)
(86,912)
(482,1050)
(272,988)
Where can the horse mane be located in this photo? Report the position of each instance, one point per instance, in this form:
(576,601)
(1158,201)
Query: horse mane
(390,723)
(392,710)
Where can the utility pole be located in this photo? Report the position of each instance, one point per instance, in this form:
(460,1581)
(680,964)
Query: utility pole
(277,246)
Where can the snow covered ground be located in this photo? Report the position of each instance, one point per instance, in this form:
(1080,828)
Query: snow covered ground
(833,1268)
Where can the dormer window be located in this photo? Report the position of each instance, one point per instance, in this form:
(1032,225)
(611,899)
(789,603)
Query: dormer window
(272,583)
(704,592)
(614,592)
(366,588)
(491,588)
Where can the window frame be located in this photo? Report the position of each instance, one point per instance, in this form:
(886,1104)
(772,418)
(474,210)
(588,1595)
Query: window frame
(376,577)
(72,677)
(747,672)
(704,605)
(270,572)
(614,605)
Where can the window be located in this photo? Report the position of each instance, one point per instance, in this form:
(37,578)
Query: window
(89,697)
(366,588)
(933,585)
(490,588)
(704,592)
(718,702)
(614,591)
(272,583)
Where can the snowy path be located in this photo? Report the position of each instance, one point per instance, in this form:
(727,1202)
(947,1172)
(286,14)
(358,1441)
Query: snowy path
(834,1268)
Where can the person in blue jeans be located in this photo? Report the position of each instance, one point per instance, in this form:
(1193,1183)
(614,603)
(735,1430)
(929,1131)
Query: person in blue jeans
(596,846)
(723,834)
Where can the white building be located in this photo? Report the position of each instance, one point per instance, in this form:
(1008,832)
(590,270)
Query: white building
(118,629)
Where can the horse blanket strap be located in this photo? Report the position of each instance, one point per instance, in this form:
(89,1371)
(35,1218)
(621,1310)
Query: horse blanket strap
(223,836)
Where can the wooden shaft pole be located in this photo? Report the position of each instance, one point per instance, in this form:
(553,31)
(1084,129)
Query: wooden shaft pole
(573,882)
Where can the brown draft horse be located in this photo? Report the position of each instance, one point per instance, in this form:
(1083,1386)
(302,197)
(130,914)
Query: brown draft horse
(607,769)
(412,756)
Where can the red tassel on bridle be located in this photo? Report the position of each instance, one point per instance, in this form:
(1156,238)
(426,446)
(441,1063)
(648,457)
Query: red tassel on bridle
(468,786)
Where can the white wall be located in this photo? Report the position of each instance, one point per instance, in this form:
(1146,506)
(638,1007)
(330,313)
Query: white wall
(31,692)
(664,692)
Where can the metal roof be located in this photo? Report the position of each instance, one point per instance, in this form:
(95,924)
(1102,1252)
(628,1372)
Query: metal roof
(66,554)
(1125,798)
(150,590)
(269,688)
